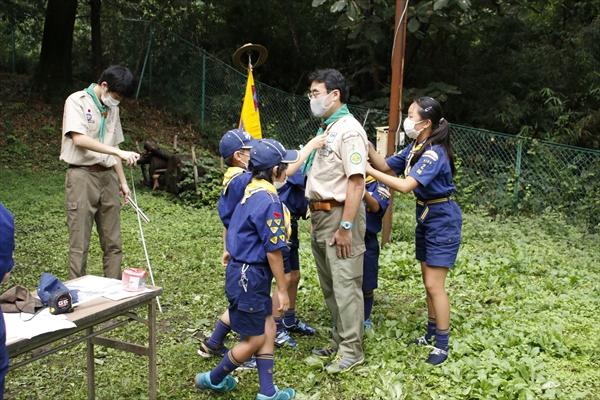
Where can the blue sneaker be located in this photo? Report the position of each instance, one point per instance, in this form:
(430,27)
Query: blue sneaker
(284,338)
(249,364)
(202,381)
(207,352)
(368,325)
(300,327)
(284,394)
(437,356)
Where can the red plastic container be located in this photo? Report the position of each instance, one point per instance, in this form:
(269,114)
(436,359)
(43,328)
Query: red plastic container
(134,279)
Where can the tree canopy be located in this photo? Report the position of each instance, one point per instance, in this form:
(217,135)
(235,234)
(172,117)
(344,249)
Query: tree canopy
(524,67)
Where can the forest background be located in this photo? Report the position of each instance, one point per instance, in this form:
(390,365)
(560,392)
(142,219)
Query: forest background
(527,68)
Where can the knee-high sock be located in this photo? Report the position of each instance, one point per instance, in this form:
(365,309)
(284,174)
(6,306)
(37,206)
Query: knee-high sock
(218,336)
(369,299)
(227,365)
(264,363)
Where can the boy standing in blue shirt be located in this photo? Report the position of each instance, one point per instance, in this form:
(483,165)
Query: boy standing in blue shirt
(376,201)
(257,233)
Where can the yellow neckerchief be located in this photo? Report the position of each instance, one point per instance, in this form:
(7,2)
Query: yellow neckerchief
(257,185)
(416,147)
(232,172)
(369,180)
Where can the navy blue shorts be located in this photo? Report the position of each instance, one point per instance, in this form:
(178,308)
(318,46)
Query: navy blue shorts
(437,237)
(249,309)
(291,258)
(371,263)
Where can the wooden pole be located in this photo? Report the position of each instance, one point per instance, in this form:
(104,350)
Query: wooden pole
(395,102)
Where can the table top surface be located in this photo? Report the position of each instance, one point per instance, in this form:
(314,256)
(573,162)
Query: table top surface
(89,314)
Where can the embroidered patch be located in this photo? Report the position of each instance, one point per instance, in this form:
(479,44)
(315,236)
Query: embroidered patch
(276,214)
(331,137)
(431,154)
(269,222)
(350,136)
(273,240)
(355,158)
(88,115)
(278,221)
(282,238)
(274,229)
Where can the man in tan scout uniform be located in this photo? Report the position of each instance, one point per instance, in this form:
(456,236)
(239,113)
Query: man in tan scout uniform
(334,188)
(90,145)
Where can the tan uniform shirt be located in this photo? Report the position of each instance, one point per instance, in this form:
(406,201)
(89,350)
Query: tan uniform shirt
(345,155)
(81,115)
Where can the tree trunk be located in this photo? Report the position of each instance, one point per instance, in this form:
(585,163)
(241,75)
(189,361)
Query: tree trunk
(176,174)
(155,149)
(96,39)
(55,75)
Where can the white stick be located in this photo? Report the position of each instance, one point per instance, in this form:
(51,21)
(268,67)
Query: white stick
(144,241)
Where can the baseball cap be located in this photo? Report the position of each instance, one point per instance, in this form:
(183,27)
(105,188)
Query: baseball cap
(7,239)
(269,152)
(235,140)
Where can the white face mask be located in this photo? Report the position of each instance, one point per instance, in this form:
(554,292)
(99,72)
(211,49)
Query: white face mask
(279,185)
(317,106)
(109,101)
(409,128)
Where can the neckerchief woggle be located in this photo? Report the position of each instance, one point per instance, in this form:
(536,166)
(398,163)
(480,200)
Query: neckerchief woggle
(341,112)
(257,185)
(103,110)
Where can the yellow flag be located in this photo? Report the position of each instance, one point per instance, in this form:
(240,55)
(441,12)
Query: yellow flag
(250,118)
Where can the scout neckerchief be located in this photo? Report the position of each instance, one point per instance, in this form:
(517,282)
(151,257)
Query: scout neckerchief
(416,147)
(369,180)
(341,112)
(103,110)
(257,185)
(230,174)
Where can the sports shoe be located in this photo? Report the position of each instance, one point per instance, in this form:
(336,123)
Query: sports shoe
(343,364)
(420,341)
(323,352)
(368,325)
(202,381)
(300,327)
(249,364)
(437,356)
(207,352)
(284,394)
(283,337)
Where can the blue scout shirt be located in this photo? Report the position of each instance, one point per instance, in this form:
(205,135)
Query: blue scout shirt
(375,219)
(258,225)
(234,183)
(432,171)
(292,195)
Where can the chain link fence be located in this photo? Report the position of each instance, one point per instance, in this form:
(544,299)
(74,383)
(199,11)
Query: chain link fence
(498,173)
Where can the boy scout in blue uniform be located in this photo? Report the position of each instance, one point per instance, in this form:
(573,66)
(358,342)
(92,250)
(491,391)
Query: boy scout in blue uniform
(7,247)
(259,229)
(428,168)
(292,195)
(376,201)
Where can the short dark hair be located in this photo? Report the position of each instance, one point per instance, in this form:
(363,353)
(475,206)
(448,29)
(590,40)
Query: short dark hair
(119,79)
(267,173)
(229,160)
(333,79)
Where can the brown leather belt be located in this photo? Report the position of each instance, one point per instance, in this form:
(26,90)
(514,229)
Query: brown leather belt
(323,205)
(92,168)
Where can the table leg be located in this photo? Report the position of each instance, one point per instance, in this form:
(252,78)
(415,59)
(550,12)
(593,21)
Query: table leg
(90,365)
(152,347)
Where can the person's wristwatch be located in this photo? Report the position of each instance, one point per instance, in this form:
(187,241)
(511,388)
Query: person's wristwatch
(346,225)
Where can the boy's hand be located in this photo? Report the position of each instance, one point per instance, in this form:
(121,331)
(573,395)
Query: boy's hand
(284,300)
(225,258)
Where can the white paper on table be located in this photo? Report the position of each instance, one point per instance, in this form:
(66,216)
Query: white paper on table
(17,326)
(91,287)
(123,294)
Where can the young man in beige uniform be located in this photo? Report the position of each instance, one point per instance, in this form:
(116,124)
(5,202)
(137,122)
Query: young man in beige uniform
(90,145)
(334,188)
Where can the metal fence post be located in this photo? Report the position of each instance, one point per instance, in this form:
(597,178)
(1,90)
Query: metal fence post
(517,175)
(145,62)
(203,87)
(12,38)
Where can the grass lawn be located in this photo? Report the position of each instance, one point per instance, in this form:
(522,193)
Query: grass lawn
(524,294)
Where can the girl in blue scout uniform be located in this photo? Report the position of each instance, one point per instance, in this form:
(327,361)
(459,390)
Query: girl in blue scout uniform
(376,201)
(292,195)
(428,168)
(7,247)
(256,235)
